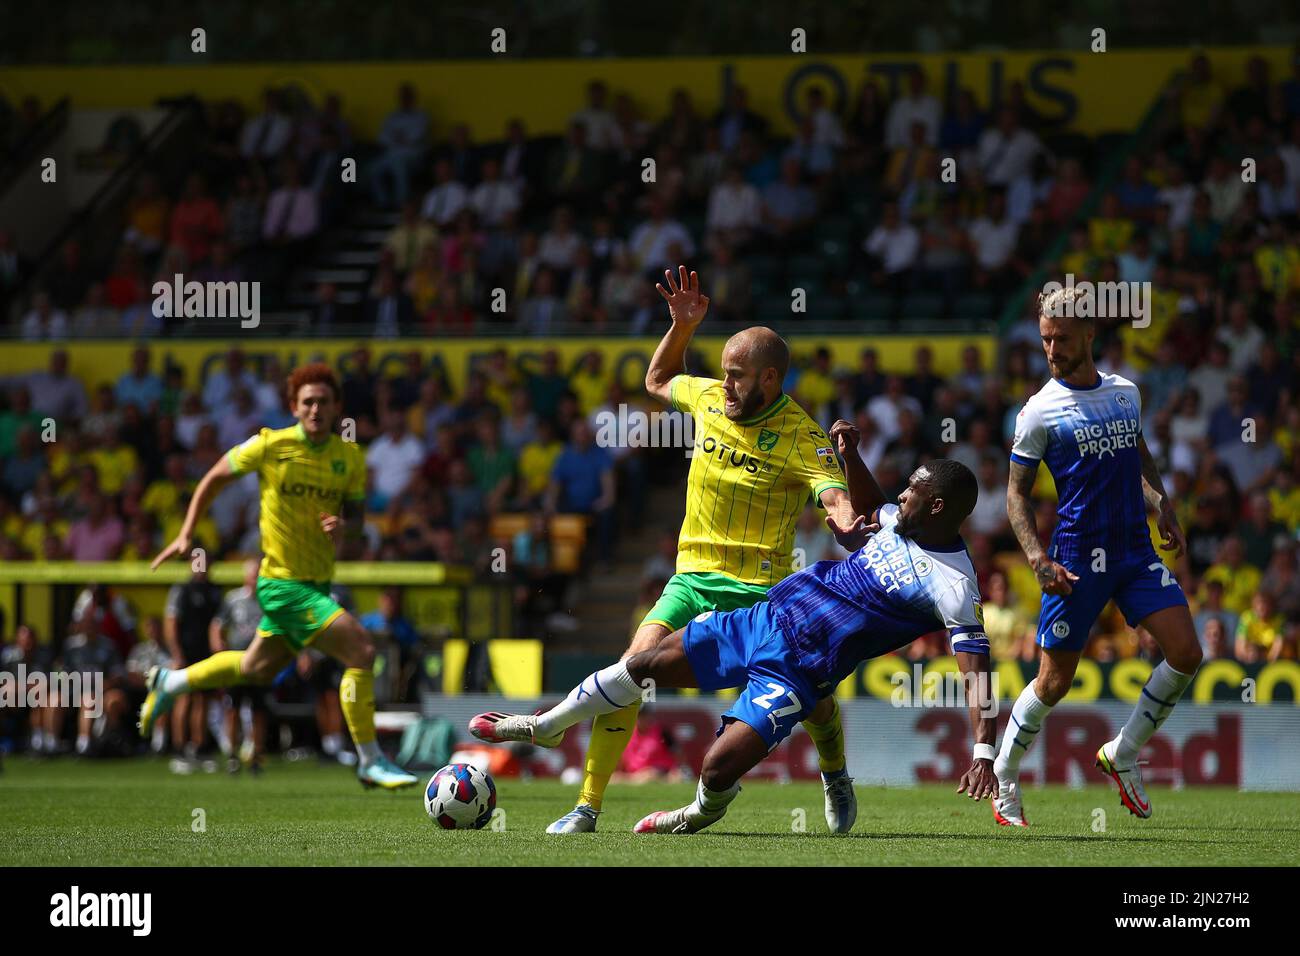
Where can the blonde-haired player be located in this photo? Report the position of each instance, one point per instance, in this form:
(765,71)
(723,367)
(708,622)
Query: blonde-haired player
(757,458)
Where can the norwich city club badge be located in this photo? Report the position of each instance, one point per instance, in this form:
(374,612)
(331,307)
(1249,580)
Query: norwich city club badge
(767,439)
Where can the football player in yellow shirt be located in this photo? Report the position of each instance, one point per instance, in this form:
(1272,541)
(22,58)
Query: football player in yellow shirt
(313,487)
(757,458)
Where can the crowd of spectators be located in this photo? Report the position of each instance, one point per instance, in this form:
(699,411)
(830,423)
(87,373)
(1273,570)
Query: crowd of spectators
(1217,361)
(107,472)
(861,203)
(1232,471)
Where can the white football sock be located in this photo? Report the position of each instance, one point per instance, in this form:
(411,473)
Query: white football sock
(1027,716)
(369,752)
(603,692)
(711,802)
(1161,693)
(176,682)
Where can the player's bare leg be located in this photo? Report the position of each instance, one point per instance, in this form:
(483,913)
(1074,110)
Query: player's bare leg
(1055,675)
(1173,630)
(737,751)
(349,643)
(610,735)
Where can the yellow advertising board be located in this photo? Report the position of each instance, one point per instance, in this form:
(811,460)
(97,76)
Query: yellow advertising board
(1093,92)
(98,362)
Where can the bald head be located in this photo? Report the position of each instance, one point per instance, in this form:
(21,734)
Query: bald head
(760,348)
(754,365)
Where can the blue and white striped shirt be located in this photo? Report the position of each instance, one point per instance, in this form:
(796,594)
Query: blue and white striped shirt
(1088,438)
(836,614)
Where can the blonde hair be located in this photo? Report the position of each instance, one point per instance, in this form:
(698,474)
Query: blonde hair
(1063,302)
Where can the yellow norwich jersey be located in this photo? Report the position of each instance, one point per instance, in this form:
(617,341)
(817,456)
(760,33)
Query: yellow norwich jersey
(299,480)
(748,483)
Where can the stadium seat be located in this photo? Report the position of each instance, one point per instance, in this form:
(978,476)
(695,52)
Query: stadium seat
(871,304)
(773,311)
(1109,146)
(827,307)
(811,284)
(976,306)
(1075,145)
(506,526)
(771,266)
(923,305)
(568,536)
(840,228)
(835,253)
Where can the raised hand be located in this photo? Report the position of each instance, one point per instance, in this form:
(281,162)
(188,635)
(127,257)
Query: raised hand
(686,305)
(846,437)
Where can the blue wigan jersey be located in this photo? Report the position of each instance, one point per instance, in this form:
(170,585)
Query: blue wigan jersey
(836,614)
(1089,439)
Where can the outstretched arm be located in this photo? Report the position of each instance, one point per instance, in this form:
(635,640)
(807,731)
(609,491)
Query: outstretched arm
(218,476)
(851,516)
(1153,490)
(979,781)
(1052,577)
(686,307)
(863,487)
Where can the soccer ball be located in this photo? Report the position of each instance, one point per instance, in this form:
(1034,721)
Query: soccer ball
(460,797)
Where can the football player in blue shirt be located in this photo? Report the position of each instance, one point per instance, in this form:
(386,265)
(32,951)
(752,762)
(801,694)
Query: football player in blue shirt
(1086,427)
(911,577)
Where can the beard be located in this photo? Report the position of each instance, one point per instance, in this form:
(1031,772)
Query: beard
(1067,367)
(750,405)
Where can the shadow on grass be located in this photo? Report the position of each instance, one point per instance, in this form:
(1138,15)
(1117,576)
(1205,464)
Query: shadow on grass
(991,838)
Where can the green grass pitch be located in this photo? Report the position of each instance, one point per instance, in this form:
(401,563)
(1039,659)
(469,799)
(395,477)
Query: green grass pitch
(69,812)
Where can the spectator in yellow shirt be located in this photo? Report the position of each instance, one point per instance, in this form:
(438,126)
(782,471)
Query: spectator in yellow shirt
(113,461)
(816,386)
(1278,262)
(590,382)
(162,498)
(1110,233)
(1009,632)
(1258,629)
(536,461)
(66,458)
(1079,261)
(1240,580)
(1201,96)
(1284,497)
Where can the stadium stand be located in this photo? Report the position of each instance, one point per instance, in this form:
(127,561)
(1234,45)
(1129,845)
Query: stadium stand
(852,209)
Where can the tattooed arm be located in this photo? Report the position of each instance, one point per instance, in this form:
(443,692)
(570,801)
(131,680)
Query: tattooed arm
(1153,490)
(1052,577)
